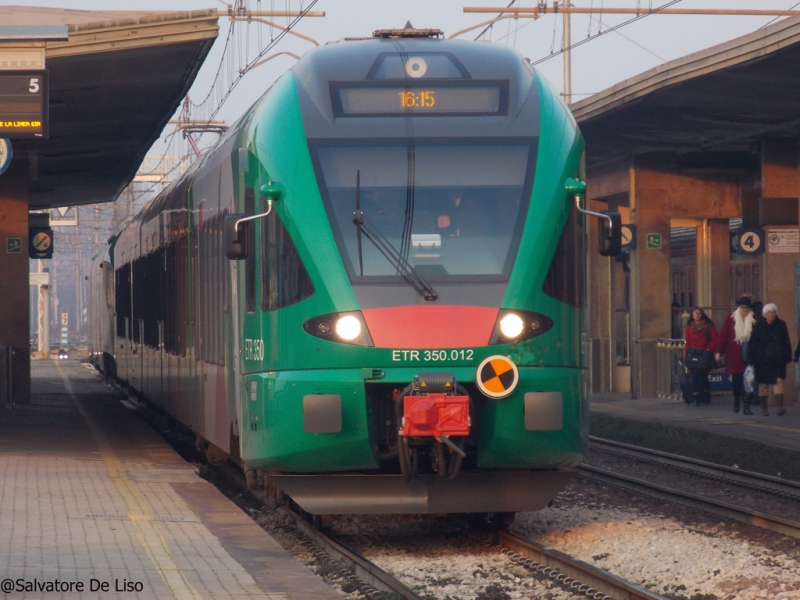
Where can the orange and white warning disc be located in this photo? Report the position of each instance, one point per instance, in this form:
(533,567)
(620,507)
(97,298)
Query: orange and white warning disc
(497,376)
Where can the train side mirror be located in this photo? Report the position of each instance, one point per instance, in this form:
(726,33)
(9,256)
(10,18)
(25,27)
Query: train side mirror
(610,233)
(610,220)
(235,240)
(236,228)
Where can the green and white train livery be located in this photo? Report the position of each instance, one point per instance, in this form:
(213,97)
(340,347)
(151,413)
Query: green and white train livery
(371,289)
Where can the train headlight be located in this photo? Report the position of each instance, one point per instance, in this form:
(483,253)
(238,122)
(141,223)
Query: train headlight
(511,326)
(348,328)
(344,328)
(514,326)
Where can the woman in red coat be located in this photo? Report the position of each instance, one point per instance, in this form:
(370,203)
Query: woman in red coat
(700,333)
(735,333)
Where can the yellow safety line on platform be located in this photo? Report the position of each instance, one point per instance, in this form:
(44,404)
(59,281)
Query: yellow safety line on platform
(774,427)
(152,540)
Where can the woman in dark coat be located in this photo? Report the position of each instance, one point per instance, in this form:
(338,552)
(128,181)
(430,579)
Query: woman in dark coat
(700,333)
(769,350)
(735,332)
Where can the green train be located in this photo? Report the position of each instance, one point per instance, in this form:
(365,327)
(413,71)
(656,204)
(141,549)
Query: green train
(370,292)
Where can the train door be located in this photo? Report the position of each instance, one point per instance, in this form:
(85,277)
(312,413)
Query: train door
(235,351)
(124,349)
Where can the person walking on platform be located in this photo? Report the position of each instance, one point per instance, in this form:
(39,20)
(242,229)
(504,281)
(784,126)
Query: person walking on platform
(769,350)
(701,338)
(735,333)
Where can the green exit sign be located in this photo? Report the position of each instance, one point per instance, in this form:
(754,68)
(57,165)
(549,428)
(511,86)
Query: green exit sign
(653,241)
(13,245)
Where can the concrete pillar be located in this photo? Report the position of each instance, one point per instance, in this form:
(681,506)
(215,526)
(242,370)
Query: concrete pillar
(599,288)
(607,188)
(778,212)
(780,288)
(651,314)
(714,265)
(661,192)
(14,281)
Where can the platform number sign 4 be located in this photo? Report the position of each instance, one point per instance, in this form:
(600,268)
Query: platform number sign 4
(750,241)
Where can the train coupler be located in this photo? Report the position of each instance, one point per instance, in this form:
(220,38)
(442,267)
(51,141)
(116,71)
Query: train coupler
(431,410)
(436,407)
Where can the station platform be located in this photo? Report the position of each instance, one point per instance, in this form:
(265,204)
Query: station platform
(718,417)
(94,503)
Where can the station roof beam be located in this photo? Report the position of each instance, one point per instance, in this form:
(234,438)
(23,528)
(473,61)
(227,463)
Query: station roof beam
(113,86)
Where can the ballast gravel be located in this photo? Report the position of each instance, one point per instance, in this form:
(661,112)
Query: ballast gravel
(439,557)
(672,550)
(678,552)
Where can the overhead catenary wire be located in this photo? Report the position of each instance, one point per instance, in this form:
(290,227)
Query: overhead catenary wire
(610,29)
(771,21)
(233,73)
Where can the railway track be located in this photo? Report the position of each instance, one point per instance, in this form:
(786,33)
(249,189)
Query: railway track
(719,473)
(580,578)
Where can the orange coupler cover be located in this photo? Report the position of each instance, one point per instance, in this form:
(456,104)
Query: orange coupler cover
(435,415)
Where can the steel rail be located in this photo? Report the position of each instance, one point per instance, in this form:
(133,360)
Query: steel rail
(363,570)
(581,577)
(768,483)
(717,507)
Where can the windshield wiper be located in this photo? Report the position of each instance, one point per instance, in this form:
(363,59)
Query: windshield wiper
(381,242)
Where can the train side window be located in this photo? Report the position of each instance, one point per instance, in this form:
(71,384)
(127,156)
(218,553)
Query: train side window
(250,261)
(284,278)
(564,279)
(122,298)
(212,287)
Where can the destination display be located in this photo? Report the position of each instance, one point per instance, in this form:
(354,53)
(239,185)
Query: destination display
(24,104)
(438,100)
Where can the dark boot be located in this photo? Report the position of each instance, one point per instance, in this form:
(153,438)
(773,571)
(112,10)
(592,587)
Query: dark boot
(746,410)
(695,399)
(779,404)
(762,401)
(736,400)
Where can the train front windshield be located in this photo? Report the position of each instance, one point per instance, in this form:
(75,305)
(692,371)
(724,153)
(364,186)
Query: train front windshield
(455,212)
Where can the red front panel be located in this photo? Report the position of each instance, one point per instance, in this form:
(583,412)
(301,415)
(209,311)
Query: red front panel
(430,327)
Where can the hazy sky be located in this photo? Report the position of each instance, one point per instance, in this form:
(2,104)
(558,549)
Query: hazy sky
(596,65)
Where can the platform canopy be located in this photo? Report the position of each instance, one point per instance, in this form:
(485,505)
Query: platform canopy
(113,86)
(714,105)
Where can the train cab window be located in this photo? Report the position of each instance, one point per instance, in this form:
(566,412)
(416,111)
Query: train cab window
(564,279)
(250,261)
(284,279)
(455,212)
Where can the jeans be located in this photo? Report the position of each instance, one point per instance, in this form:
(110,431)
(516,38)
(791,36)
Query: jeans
(701,390)
(737,383)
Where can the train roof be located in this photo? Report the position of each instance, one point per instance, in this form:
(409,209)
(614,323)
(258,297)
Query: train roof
(394,61)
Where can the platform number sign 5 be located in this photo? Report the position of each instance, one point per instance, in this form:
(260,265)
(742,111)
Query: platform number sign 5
(750,241)
(33,86)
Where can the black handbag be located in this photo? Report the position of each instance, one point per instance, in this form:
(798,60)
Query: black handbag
(699,359)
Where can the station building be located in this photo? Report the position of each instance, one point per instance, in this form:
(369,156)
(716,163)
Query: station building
(689,152)
(115,79)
